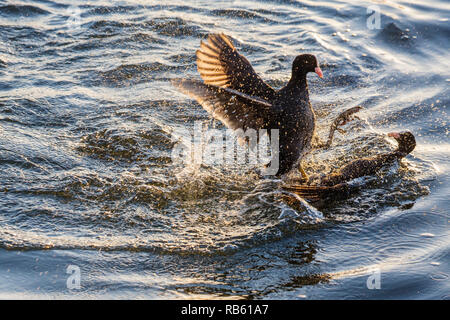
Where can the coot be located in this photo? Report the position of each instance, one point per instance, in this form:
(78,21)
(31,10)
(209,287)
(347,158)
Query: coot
(336,185)
(233,93)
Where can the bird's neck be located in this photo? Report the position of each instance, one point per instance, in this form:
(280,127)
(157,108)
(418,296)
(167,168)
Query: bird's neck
(404,149)
(400,153)
(298,83)
(393,155)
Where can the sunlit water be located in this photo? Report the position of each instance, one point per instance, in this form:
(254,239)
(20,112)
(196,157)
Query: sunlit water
(87,114)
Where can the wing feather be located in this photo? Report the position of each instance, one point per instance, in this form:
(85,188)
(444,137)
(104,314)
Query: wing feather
(218,57)
(235,109)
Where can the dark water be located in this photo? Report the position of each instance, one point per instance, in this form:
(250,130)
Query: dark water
(86,178)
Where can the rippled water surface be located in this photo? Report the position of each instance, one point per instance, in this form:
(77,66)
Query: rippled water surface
(87,115)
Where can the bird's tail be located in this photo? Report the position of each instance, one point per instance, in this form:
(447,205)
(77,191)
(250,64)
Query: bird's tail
(316,193)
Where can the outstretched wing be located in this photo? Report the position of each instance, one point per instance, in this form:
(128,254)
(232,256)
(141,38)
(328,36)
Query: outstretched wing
(219,64)
(235,109)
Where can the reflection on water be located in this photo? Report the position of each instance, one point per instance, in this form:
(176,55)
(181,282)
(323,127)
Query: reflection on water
(87,114)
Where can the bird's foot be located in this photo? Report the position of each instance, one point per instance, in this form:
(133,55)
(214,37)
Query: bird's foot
(347,116)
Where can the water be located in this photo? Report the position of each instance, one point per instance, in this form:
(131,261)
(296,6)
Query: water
(86,178)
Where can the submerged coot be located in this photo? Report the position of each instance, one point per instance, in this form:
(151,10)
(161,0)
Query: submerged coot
(335,185)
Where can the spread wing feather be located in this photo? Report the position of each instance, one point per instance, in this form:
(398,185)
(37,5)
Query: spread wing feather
(235,109)
(315,193)
(220,64)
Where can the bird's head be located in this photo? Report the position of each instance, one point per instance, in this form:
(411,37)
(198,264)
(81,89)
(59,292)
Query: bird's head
(406,141)
(305,63)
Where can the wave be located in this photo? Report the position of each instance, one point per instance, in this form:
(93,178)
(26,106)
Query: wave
(22,10)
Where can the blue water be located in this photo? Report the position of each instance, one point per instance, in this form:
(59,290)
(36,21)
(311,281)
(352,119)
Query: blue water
(87,114)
